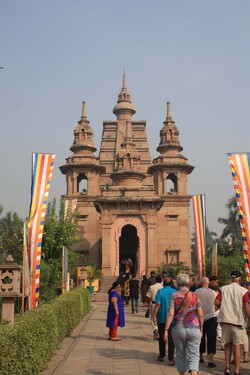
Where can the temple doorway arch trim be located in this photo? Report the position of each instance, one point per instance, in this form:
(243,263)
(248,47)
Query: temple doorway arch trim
(116,232)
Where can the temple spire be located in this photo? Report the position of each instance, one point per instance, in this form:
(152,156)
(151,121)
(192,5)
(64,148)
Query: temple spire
(169,115)
(124,109)
(83,135)
(169,136)
(124,86)
(84,112)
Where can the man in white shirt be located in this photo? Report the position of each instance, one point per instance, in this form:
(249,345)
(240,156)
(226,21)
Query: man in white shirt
(207,297)
(234,312)
(151,294)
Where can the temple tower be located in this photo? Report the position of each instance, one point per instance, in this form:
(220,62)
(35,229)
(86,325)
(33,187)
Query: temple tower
(132,207)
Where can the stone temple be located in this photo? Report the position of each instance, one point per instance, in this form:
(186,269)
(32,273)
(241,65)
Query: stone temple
(130,205)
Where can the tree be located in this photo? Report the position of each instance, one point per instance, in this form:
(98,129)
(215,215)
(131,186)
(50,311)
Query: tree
(210,238)
(226,249)
(11,234)
(59,230)
(231,222)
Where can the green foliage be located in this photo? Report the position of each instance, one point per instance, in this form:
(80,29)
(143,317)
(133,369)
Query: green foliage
(11,236)
(35,335)
(93,273)
(226,250)
(50,280)
(231,222)
(174,269)
(227,264)
(59,231)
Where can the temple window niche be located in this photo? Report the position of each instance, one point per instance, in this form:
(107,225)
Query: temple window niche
(172,184)
(82,184)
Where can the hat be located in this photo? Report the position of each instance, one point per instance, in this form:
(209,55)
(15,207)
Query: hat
(235,274)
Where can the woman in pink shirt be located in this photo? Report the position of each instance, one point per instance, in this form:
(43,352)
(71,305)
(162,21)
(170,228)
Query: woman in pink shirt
(185,314)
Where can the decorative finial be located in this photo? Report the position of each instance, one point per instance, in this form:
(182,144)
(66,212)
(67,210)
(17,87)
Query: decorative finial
(124,86)
(84,114)
(169,115)
(128,135)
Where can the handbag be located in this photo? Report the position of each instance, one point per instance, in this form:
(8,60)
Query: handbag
(147,313)
(174,319)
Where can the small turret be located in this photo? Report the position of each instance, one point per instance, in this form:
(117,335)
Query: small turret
(83,135)
(169,136)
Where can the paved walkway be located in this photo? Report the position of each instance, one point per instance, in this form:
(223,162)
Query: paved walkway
(87,350)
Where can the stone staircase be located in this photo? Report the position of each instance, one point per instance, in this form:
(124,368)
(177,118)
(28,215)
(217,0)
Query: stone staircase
(105,284)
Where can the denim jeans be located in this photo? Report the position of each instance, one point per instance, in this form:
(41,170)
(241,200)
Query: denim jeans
(134,304)
(187,340)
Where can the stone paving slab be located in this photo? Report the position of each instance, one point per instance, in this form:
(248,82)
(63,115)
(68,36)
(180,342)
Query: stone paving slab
(88,351)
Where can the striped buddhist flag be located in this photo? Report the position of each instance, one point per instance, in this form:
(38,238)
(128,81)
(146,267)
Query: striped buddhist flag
(240,168)
(214,265)
(69,206)
(199,211)
(42,167)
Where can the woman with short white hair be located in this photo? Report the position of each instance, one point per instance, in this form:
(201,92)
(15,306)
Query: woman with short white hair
(185,314)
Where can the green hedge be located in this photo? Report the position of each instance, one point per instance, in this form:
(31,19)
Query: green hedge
(27,346)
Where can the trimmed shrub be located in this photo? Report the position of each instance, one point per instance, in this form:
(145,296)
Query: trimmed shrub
(27,346)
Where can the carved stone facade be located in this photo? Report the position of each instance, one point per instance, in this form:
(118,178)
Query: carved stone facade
(130,205)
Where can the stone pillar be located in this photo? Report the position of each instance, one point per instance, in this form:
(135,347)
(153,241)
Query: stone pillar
(106,269)
(152,247)
(75,175)
(9,287)
(152,240)
(105,228)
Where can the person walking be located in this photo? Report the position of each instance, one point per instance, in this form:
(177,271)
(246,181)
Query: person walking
(162,302)
(151,279)
(207,297)
(153,289)
(115,314)
(144,289)
(125,288)
(134,293)
(186,314)
(234,312)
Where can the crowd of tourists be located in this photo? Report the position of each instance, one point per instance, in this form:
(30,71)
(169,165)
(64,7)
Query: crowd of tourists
(190,318)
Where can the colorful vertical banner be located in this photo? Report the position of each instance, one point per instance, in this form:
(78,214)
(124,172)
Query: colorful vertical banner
(214,265)
(240,168)
(199,211)
(42,167)
(69,206)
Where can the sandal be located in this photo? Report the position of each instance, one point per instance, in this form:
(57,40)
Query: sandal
(227,371)
(171,363)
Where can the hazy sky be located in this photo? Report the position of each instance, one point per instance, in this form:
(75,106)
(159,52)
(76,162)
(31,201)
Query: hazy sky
(196,54)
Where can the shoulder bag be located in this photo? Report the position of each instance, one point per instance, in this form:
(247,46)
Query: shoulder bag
(174,318)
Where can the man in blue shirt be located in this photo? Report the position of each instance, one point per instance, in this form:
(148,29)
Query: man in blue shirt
(162,301)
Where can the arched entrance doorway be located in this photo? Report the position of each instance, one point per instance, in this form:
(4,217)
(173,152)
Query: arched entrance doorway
(128,246)
(133,227)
